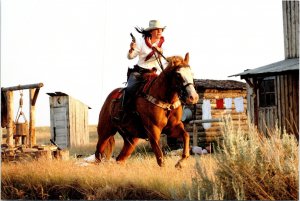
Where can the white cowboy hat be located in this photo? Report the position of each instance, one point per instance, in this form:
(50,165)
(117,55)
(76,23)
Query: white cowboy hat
(154,24)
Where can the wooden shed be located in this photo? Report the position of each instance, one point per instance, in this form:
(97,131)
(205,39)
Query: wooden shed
(68,120)
(273,95)
(217,98)
(273,89)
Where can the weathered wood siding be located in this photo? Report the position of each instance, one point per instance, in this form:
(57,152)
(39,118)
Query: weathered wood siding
(79,130)
(68,121)
(213,133)
(59,120)
(286,110)
(291,28)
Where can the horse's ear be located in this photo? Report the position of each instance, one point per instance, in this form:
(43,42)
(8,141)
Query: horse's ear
(170,61)
(187,57)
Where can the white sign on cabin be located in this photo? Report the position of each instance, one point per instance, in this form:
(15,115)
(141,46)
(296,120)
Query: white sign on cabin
(68,120)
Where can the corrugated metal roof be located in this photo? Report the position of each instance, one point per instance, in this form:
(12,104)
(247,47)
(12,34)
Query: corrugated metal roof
(277,67)
(218,84)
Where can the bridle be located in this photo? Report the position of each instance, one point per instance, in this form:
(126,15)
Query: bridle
(182,89)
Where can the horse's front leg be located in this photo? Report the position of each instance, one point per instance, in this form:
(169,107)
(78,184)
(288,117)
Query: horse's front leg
(180,131)
(154,137)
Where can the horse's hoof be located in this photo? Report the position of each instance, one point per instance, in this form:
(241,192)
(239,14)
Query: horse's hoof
(120,162)
(161,163)
(178,165)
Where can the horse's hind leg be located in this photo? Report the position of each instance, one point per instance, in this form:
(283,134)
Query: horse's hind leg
(128,147)
(105,142)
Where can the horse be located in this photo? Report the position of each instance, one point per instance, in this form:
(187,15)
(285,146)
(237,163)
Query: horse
(159,111)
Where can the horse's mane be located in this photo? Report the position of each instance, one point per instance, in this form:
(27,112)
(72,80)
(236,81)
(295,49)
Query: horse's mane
(175,62)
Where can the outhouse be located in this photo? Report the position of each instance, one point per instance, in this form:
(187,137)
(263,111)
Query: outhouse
(68,120)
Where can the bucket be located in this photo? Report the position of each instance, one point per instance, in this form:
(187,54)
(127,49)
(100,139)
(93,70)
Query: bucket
(21,129)
(187,114)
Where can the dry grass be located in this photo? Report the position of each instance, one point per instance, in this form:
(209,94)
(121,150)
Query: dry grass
(251,166)
(139,178)
(246,166)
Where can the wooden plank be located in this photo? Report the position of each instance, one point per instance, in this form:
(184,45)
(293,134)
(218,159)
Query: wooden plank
(278,97)
(36,93)
(209,134)
(250,105)
(267,118)
(293,101)
(289,33)
(285,28)
(286,96)
(10,118)
(255,102)
(283,103)
(210,139)
(297,28)
(206,121)
(296,100)
(290,98)
(60,128)
(20,87)
(195,135)
(293,30)
(224,95)
(235,116)
(32,137)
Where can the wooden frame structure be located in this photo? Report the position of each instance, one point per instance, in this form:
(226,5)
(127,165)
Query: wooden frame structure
(284,74)
(9,97)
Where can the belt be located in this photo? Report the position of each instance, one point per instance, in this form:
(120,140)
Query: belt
(141,70)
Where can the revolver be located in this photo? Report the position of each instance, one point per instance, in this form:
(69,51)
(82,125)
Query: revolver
(132,37)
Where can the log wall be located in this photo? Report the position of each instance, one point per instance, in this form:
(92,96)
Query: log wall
(214,133)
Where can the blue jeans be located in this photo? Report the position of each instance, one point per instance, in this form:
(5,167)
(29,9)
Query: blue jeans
(133,83)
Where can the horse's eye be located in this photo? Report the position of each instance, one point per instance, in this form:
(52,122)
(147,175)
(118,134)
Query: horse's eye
(178,75)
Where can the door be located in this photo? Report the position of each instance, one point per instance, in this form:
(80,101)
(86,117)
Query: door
(60,127)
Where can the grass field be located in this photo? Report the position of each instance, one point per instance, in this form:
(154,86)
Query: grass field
(246,166)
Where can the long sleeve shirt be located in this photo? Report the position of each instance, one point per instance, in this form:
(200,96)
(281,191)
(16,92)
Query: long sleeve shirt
(142,50)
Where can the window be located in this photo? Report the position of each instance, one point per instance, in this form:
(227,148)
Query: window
(267,92)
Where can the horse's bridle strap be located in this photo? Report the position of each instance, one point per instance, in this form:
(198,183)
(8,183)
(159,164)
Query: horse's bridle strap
(161,104)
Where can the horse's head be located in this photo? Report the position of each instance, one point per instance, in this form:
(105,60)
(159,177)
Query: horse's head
(182,78)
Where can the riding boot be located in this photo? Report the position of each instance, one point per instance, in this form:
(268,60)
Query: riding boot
(124,107)
(133,84)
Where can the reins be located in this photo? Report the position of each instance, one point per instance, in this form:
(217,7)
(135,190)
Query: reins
(158,58)
(153,100)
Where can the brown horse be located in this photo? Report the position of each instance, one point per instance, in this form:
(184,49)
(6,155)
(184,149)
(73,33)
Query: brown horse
(159,111)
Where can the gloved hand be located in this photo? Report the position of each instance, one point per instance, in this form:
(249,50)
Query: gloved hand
(132,46)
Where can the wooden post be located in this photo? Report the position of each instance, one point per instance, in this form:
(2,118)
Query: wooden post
(10,118)
(19,87)
(33,93)
(32,137)
(195,135)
